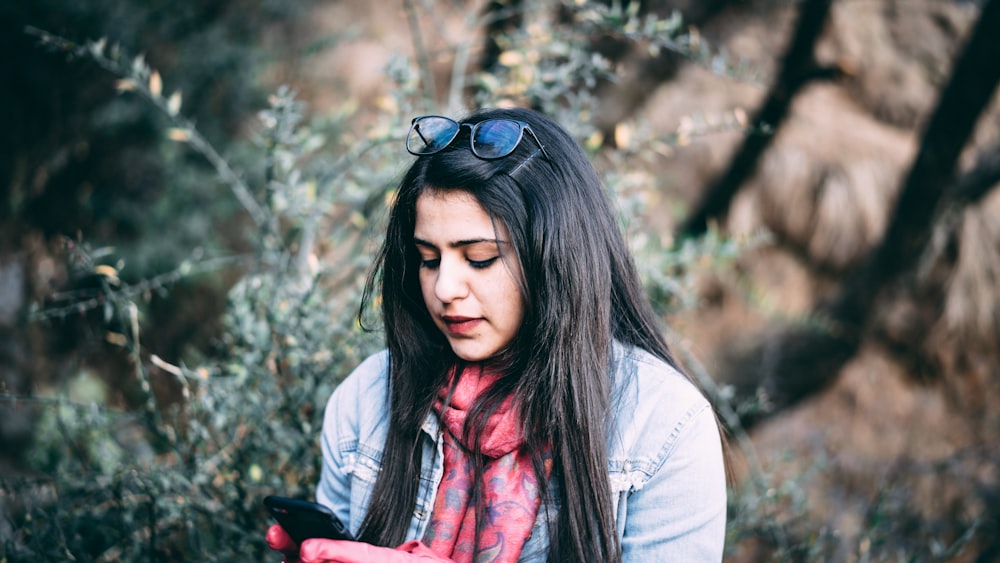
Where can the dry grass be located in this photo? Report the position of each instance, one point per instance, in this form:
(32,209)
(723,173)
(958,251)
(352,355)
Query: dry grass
(971,313)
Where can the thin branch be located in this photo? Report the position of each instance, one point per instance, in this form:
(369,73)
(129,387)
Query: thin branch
(799,68)
(420,50)
(342,166)
(975,184)
(459,71)
(139,81)
(130,291)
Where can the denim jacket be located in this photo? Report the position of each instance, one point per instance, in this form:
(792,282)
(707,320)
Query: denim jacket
(665,461)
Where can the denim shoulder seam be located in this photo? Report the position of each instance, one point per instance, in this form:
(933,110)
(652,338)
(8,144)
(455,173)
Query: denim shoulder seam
(693,410)
(675,435)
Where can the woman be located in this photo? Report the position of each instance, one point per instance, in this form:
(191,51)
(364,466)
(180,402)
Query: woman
(527,407)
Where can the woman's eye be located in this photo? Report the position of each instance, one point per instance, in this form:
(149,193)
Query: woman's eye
(430,263)
(480,264)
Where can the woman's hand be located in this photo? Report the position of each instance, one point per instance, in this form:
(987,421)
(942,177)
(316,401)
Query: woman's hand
(339,551)
(279,540)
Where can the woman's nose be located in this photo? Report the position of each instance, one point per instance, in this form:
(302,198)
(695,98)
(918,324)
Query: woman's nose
(451,282)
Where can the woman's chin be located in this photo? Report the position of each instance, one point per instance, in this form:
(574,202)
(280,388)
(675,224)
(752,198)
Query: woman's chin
(472,352)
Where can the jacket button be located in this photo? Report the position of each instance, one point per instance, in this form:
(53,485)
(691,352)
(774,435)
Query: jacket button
(627,466)
(420,514)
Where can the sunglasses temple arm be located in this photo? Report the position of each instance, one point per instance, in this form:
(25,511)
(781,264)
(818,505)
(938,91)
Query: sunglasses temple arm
(541,147)
(416,127)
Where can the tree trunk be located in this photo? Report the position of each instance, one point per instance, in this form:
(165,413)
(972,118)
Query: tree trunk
(805,359)
(798,69)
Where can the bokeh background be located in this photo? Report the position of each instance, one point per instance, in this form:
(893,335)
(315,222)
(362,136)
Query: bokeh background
(192,193)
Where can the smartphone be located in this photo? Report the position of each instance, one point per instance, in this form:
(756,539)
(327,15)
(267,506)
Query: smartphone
(303,519)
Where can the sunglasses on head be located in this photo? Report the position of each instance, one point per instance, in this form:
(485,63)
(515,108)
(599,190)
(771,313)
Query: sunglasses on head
(489,139)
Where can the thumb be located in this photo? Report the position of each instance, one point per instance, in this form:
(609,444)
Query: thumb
(279,540)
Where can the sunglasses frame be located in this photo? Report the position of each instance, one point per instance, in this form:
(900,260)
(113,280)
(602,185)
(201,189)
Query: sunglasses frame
(474,127)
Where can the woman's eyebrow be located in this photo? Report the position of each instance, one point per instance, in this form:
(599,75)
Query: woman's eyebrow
(459,243)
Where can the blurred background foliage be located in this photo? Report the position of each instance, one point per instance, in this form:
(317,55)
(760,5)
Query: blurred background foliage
(192,194)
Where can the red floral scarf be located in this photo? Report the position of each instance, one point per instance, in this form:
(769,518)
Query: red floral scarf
(509,484)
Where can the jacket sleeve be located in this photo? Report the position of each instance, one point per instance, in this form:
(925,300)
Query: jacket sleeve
(679,514)
(350,414)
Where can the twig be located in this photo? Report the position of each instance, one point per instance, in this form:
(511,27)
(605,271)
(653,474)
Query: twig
(420,50)
(139,76)
(798,69)
(343,165)
(974,185)
(130,291)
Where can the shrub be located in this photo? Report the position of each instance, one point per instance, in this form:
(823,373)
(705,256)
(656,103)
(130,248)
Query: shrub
(181,475)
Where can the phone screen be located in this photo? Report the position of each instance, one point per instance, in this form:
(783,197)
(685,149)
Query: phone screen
(303,519)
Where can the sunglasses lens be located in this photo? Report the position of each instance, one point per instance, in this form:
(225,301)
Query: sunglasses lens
(429,135)
(495,138)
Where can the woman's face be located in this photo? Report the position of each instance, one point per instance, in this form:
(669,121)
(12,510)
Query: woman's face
(468,274)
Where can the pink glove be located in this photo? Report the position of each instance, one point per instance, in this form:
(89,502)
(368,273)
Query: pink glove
(338,551)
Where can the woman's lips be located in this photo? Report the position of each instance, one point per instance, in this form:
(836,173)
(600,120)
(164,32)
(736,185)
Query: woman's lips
(461,326)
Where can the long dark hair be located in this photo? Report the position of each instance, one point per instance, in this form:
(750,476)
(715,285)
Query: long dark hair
(581,292)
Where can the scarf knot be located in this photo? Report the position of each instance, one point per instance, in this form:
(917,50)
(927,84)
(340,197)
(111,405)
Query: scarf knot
(502,432)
